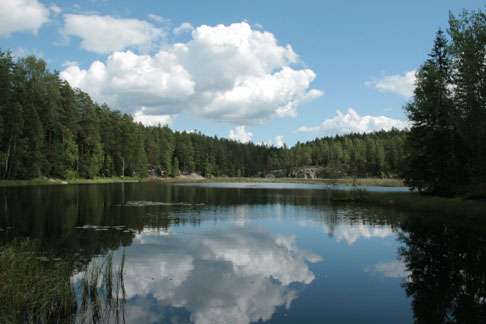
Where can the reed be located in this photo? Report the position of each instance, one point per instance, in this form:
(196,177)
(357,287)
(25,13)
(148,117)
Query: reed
(35,288)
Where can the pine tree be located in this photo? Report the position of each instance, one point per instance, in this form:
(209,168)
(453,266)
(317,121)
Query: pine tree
(175,167)
(89,145)
(468,33)
(432,159)
(14,123)
(30,153)
(140,167)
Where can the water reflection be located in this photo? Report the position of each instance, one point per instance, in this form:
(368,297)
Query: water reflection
(447,265)
(229,275)
(390,269)
(349,226)
(210,255)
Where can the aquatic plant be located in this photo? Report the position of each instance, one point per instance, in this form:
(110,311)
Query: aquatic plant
(39,288)
(34,288)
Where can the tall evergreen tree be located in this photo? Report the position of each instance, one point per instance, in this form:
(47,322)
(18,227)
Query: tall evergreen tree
(14,124)
(432,164)
(30,153)
(468,33)
(89,145)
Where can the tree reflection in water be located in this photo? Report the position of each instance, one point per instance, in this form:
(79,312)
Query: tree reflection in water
(446,260)
(80,282)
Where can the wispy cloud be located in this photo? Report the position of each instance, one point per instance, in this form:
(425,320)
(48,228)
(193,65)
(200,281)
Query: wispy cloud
(185,27)
(105,34)
(352,122)
(391,269)
(400,84)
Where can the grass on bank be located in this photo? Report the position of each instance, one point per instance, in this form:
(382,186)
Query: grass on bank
(50,181)
(344,181)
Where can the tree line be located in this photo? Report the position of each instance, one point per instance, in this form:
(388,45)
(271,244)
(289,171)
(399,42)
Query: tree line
(447,140)
(48,129)
(378,154)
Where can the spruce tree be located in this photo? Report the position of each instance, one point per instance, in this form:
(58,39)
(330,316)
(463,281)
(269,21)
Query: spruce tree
(431,164)
(14,124)
(30,153)
(89,145)
(175,167)
(468,33)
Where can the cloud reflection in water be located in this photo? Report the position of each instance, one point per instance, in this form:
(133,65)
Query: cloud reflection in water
(230,275)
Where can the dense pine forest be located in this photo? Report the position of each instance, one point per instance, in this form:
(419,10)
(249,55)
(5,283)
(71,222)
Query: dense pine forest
(48,129)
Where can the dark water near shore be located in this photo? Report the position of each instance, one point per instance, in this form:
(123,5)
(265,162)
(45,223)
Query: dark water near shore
(242,254)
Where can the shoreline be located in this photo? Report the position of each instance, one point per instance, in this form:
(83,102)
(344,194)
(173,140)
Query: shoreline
(61,182)
(184,179)
(387,182)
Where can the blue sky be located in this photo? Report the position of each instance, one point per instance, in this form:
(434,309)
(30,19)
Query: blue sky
(351,54)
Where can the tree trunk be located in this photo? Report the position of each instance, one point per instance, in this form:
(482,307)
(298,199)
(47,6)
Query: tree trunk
(6,161)
(123,167)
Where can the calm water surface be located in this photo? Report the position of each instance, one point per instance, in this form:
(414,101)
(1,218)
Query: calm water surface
(273,253)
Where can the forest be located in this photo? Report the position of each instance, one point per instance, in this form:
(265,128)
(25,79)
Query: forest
(48,129)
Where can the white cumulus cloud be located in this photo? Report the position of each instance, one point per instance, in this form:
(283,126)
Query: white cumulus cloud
(104,34)
(22,16)
(240,134)
(132,83)
(352,122)
(227,73)
(400,84)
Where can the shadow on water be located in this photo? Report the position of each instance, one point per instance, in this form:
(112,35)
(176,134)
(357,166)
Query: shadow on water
(58,246)
(446,261)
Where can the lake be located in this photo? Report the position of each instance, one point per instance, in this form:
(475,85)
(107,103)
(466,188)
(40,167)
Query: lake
(231,253)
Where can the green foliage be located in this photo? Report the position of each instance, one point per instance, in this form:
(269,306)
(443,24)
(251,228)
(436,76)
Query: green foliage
(379,154)
(33,290)
(140,157)
(38,287)
(448,112)
(48,129)
(30,147)
(175,167)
